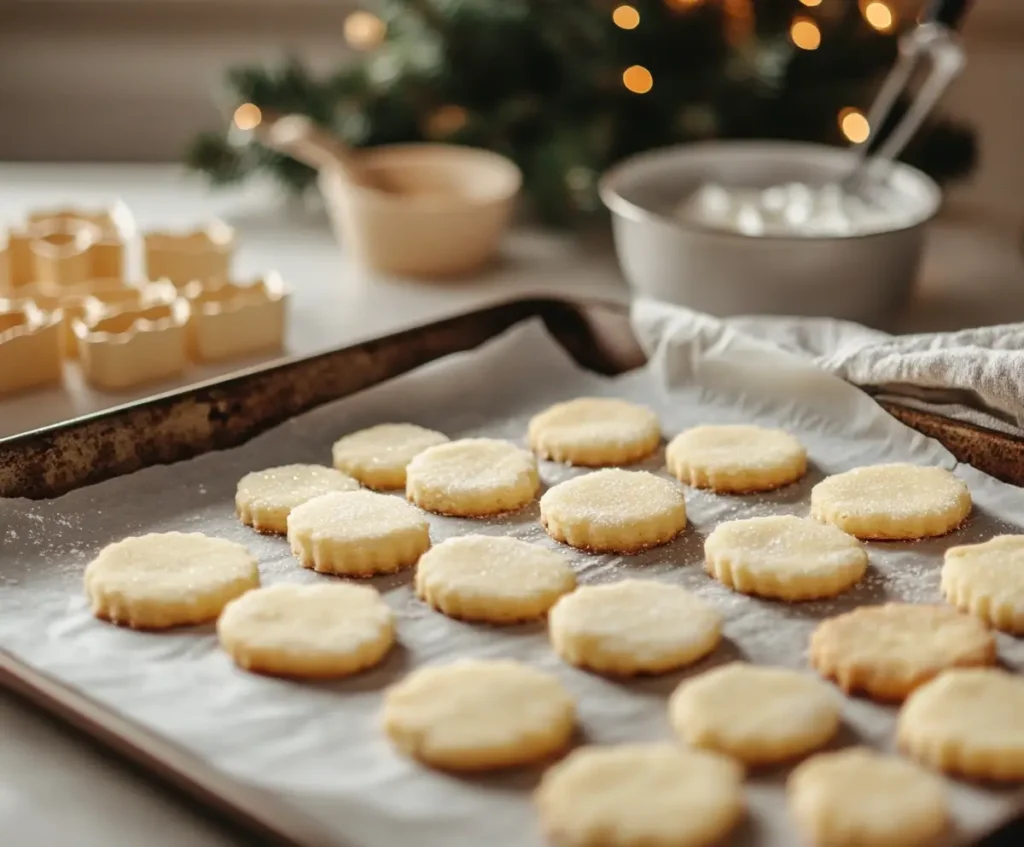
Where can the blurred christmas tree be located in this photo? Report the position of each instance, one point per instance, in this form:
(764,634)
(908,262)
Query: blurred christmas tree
(568,87)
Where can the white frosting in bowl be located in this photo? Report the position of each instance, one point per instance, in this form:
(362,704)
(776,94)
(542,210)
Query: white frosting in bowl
(796,209)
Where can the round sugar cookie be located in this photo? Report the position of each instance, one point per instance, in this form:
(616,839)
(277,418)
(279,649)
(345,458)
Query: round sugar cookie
(635,626)
(168,579)
(492,578)
(892,502)
(614,511)
(264,499)
(317,631)
(887,651)
(987,580)
(758,715)
(594,432)
(476,715)
(859,798)
(968,723)
(736,459)
(784,557)
(473,478)
(357,533)
(640,795)
(378,456)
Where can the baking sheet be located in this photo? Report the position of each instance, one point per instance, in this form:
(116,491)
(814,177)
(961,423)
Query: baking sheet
(319,744)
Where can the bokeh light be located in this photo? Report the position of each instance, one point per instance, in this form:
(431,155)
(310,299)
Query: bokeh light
(364,30)
(248,116)
(626,17)
(638,79)
(854,125)
(805,34)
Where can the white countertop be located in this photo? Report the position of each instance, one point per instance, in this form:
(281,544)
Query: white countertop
(55,790)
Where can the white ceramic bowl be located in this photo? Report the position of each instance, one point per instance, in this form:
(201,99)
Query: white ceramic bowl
(864,278)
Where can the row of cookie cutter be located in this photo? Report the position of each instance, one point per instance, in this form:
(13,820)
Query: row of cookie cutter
(71,246)
(135,334)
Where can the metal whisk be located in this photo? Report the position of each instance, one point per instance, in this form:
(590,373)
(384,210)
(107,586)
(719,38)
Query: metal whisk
(935,40)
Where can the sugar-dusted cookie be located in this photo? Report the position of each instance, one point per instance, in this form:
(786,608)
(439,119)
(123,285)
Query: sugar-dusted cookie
(860,798)
(492,578)
(987,580)
(736,459)
(784,557)
(967,722)
(330,629)
(472,478)
(595,432)
(614,511)
(168,579)
(476,715)
(264,499)
(895,502)
(635,626)
(378,456)
(357,533)
(640,795)
(758,715)
(887,651)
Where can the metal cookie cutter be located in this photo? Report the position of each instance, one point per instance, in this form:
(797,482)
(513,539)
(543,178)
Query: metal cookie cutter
(934,39)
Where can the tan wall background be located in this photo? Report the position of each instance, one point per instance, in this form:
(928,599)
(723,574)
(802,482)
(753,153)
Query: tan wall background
(134,80)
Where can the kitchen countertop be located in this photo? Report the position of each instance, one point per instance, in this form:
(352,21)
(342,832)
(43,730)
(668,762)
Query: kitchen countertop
(56,789)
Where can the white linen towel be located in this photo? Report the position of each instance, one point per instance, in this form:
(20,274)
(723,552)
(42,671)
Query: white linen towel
(973,375)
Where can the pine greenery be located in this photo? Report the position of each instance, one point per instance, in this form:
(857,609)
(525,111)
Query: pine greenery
(542,82)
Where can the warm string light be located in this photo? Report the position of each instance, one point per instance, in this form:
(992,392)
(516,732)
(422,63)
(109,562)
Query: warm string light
(248,116)
(879,15)
(626,17)
(811,3)
(854,125)
(364,30)
(805,34)
(638,79)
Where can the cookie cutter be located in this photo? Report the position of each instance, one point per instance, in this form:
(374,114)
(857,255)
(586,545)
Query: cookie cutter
(231,319)
(202,254)
(29,346)
(45,249)
(123,348)
(113,293)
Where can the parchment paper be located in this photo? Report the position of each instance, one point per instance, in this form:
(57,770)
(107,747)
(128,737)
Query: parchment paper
(319,744)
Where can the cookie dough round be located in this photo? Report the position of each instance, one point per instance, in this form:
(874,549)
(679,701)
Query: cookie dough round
(636,626)
(614,511)
(892,502)
(859,798)
(473,478)
(987,580)
(476,715)
(968,723)
(264,499)
(887,651)
(595,432)
(378,456)
(784,557)
(493,579)
(357,533)
(640,795)
(317,631)
(168,579)
(736,458)
(758,715)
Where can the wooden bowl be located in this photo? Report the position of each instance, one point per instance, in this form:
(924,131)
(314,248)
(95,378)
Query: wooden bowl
(435,211)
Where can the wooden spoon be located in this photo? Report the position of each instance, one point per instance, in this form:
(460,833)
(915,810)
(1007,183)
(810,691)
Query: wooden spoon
(297,136)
